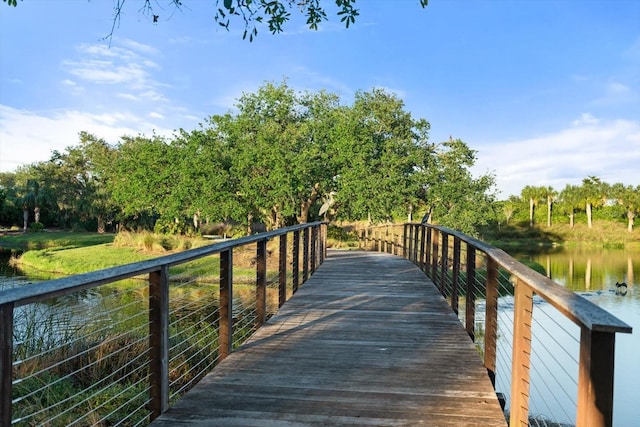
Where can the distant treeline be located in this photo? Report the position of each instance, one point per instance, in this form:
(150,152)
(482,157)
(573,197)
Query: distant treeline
(279,158)
(594,198)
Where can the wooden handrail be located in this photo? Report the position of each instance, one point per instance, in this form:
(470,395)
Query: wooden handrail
(598,327)
(580,310)
(59,287)
(313,253)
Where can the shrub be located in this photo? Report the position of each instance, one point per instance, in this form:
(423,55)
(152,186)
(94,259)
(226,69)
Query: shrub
(36,226)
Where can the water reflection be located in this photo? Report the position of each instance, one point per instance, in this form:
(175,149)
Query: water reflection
(593,273)
(594,269)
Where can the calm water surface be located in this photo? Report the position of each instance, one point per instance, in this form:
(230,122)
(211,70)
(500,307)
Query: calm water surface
(593,274)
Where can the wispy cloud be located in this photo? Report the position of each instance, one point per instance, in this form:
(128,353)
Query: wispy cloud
(609,149)
(45,132)
(128,66)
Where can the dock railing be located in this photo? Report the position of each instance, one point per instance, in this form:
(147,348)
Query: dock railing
(561,353)
(116,346)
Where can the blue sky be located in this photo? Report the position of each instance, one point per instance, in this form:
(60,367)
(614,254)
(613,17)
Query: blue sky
(547,92)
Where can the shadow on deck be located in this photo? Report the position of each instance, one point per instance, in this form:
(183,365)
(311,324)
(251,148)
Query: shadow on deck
(368,340)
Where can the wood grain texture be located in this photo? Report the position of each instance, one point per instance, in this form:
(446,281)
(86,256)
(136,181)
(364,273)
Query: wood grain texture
(368,340)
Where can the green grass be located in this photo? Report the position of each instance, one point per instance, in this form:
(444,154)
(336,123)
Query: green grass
(53,239)
(66,261)
(75,253)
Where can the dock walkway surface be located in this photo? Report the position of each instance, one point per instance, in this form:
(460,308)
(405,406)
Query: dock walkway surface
(368,340)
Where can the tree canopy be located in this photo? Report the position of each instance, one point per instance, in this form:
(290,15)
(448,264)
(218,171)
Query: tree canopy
(276,160)
(251,13)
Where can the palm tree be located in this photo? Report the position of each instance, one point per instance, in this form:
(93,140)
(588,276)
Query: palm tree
(533,194)
(594,193)
(570,199)
(630,199)
(35,197)
(550,194)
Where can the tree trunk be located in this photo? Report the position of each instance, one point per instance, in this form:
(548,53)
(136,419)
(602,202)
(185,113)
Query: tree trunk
(549,205)
(196,221)
(305,205)
(531,208)
(630,217)
(589,224)
(36,214)
(25,218)
(275,218)
(571,219)
(101,225)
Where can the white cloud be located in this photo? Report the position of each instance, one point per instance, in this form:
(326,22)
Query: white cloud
(128,96)
(27,137)
(585,119)
(608,149)
(129,68)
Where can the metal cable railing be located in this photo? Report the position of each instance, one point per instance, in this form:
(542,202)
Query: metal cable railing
(116,347)
(548,352)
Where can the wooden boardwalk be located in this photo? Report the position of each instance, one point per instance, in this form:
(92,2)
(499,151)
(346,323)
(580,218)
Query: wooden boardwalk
(366,341)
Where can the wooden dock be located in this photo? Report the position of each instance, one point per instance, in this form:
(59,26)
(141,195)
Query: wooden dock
(368,340)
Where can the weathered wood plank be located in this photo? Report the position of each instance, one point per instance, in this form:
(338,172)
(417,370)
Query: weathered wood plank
(366,341)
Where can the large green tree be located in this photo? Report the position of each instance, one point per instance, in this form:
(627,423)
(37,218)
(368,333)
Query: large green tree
(204,187)
(278,143)
(455,197)
(142,176)
(377,149)
(10,213)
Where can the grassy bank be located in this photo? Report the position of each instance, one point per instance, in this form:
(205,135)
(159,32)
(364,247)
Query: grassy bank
(53,239)
(75,253)
(603,234)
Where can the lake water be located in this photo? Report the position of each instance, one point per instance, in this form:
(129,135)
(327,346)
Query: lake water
(591,273)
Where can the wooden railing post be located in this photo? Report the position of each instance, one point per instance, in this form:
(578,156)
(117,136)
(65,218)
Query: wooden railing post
(409,255)
(377,238)
(261,282)
(385,240)
(470,291)
(445,264)
(295,261)
(435,253)
(427,261)
(305,255)
(491,320)
(520,378)
(455,275)
(282,271)
(422,262)
(416,244)
(314,248)
(225,334)
(595,378)
(6,363)
(159,341)
(405,233)
(323,243)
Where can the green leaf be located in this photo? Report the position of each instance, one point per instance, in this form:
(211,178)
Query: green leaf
(227,3)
